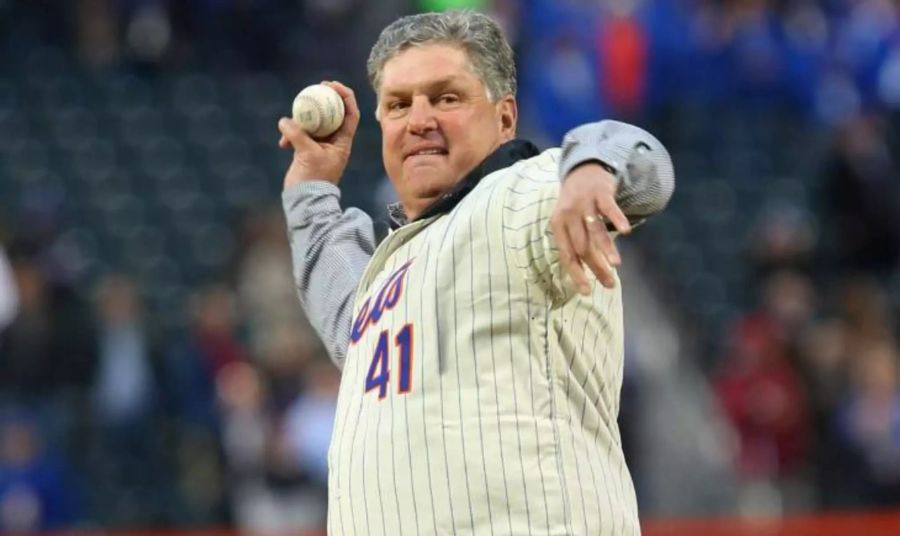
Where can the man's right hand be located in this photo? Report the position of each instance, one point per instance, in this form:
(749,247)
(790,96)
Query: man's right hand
(323,159)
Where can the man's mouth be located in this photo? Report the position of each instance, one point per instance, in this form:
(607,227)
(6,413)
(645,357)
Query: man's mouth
(431,151)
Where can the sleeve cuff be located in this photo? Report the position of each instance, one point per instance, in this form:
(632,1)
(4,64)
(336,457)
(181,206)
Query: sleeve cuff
(611,143)
(612,156)
(584,154)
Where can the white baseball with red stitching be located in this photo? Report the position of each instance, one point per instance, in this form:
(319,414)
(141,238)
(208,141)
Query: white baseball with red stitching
(319,110)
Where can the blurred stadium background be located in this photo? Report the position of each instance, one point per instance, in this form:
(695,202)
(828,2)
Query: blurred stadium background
(156,371)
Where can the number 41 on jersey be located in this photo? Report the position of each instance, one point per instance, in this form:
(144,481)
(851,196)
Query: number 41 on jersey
(379,371)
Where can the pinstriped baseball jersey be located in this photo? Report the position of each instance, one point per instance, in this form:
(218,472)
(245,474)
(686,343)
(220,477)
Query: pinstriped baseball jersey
(479,393)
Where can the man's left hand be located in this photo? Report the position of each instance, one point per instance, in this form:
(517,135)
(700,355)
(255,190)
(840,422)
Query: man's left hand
(587,200)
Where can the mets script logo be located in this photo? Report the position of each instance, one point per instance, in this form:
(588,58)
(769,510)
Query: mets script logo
(388,296)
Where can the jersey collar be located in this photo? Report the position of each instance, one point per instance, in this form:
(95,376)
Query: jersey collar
(504,156)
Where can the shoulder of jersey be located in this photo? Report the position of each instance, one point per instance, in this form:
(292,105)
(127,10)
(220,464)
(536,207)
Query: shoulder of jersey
(543,167)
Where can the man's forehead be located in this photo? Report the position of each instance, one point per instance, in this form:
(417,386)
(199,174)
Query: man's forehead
(423,83)
(425,65)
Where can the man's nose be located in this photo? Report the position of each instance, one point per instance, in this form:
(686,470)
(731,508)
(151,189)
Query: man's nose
(421,116)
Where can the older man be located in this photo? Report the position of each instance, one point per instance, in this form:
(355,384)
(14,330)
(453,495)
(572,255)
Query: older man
(480,385)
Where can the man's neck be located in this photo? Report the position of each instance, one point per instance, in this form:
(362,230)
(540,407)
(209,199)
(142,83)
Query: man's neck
(417,206)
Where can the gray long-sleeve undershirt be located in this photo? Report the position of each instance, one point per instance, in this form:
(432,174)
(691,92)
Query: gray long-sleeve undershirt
(331,247)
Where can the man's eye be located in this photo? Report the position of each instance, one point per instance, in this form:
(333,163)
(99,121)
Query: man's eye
(397,105)
(448,98)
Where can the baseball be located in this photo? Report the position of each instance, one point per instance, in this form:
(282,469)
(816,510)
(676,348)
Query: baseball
(319,110)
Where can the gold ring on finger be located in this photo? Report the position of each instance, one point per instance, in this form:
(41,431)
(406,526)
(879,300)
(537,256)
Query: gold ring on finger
(590,219)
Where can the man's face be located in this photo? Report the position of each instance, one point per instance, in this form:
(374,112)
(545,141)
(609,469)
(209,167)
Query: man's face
(437,122)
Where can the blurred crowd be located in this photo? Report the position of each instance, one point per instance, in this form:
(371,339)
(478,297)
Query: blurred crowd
(107,421)
(110,417)
(580,59)
(809,372)
(825,60)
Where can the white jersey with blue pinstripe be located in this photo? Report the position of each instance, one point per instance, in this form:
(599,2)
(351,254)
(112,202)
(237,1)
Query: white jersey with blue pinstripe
(479,393)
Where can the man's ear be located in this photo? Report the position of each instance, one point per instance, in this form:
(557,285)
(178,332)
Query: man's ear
(508,115)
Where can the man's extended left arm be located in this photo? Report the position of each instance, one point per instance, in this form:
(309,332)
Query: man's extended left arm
(613,173)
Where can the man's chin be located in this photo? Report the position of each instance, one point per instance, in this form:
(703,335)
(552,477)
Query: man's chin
(432,193)
(430,182)
(429,189)
(429,165)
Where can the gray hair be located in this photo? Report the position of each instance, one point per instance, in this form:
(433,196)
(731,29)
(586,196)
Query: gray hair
(477,34)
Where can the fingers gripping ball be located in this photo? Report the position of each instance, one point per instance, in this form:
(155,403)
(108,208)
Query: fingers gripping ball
(319,110)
